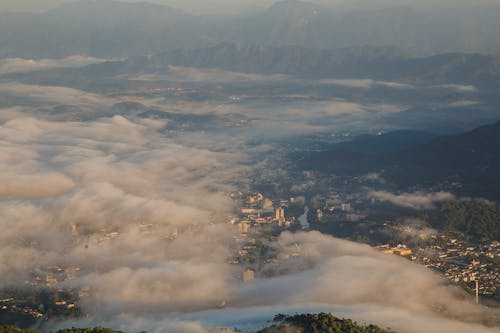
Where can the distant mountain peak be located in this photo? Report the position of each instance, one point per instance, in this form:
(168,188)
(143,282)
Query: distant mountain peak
(114,4)
(296,6)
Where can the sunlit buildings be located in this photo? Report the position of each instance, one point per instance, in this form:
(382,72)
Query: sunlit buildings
(248,275)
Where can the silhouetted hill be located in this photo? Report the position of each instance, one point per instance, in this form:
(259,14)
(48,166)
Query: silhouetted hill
(380,63)
(364,154)
(316,323)
(471,159)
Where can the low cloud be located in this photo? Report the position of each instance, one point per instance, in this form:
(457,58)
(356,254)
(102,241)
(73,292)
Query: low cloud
(20,65)
(201,75)
(411,231)
(41,184)
(323,270)
(415,200)
(457,88)
(373,177)
(105,176)
(55,95)
(395,85)
(313,273)
(365,83)
(11,113)
(141,210)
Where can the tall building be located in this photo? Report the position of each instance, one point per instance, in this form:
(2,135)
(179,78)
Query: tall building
(248,275)
(319,214)
(477,291)
(280,213)
(244,227)
(74,230)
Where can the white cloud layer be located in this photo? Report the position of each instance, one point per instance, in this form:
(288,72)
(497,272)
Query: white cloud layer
(366,83)
(20,65)
(315,273)
(152,239)
(141,210)
(192,74)
(416,200)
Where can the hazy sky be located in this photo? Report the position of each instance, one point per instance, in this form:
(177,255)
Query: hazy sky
(196,6)
(234,6)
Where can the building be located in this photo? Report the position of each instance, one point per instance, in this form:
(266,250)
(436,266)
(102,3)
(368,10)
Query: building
(50,280)
(400,250)
(280,213)
(74,230)
(319,214)
(244,227)
(248,275)
(346,207)
(385,249)
(267,205)
(403,252)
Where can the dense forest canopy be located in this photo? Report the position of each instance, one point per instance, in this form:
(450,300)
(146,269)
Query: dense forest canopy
(318,323)
(477,220)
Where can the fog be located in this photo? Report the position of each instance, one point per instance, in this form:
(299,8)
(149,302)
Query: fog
(329,275)
(119,176)
(142,211)
(416,200)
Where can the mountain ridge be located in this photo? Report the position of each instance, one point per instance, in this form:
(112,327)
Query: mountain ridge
(469,158)
(365,62)
(65,30)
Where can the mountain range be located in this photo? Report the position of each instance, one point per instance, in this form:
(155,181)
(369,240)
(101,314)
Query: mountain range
(107,28)
(379,63)
(385,63)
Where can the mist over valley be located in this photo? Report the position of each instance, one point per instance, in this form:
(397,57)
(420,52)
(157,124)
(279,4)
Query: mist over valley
(295,166)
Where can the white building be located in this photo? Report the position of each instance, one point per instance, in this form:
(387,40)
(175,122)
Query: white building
(248,275)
